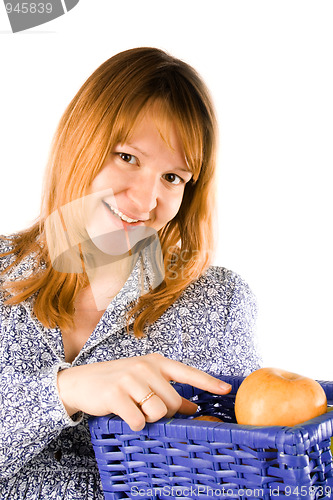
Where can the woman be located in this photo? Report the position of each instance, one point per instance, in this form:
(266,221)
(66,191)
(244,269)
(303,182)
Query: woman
(110,295)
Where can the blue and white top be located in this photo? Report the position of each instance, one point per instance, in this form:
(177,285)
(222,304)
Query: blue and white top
(44,453)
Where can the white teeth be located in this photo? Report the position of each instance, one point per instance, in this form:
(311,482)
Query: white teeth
(122,216)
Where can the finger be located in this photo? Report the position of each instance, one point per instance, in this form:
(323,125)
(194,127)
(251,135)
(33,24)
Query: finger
(153,407)
(165,402)
(154,411)
(172,400)
(179,372)
(187,407)
(129,411)
(176,403)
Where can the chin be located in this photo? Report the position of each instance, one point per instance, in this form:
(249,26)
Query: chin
(121,242)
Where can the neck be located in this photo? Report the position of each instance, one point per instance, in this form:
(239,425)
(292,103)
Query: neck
(108,278)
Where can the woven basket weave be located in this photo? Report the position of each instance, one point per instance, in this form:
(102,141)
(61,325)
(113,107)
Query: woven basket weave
(184,458)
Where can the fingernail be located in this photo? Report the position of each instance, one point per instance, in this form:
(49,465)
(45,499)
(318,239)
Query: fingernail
(224,385)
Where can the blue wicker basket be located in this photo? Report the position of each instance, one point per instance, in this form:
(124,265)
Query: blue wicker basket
(184,458)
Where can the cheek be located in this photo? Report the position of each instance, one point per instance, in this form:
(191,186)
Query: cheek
(171,207)
(107,178)
(100,182)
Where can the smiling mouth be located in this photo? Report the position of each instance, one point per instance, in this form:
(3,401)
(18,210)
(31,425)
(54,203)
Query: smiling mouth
(121,216)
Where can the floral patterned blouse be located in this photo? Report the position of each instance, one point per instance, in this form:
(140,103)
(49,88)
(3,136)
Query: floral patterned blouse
(44,453)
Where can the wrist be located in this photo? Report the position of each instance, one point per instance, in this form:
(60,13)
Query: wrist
(65,390)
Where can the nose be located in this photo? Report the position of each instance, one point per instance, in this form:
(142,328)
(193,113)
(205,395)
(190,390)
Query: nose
(143,193)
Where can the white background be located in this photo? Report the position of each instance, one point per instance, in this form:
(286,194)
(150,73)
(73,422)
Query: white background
(269,67)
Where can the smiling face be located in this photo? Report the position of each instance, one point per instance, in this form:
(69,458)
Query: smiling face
(139,188)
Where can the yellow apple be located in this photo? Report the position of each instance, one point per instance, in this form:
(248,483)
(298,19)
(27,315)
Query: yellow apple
(271,396)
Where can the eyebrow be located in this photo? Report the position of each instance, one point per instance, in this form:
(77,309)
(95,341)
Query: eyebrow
(182,169)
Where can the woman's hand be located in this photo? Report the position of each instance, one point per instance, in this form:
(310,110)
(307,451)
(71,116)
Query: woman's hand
(119,386)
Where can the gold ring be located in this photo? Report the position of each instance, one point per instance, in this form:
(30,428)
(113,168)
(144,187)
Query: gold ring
(152,393)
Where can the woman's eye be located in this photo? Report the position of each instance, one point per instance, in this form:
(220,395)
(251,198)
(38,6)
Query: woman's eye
(173,179)
(128,158)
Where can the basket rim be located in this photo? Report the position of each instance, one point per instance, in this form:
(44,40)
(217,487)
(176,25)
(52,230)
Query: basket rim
(225,432)
(248,435)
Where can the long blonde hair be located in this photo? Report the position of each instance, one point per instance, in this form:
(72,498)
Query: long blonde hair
(102,114)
